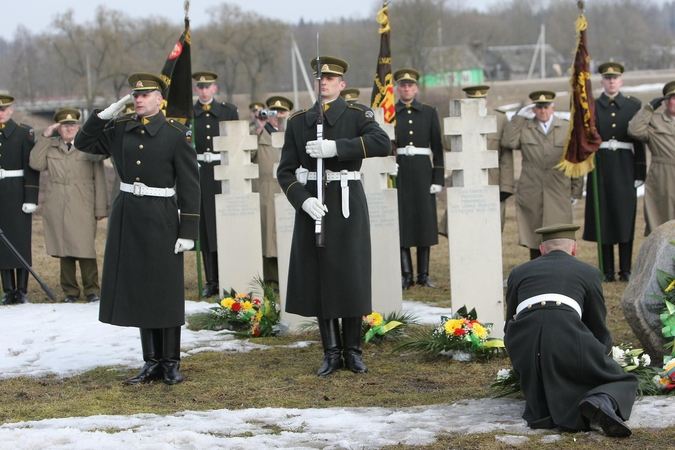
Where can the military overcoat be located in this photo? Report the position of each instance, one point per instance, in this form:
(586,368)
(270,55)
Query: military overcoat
(559,357)
(617,171)
(333,281)
(417,124)
(657,130)
(266,185)
(76,194)
(544,194)
(143,284)
(16,142)
(206,127)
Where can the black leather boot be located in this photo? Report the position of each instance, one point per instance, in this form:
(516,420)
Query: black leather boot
(8,286)
(601,408)
(406,269)
(171,355)
(351,338)
(211,271)
(21,286)
(332,347)
(423,254)
(151,343)
(625,260)
(608,263)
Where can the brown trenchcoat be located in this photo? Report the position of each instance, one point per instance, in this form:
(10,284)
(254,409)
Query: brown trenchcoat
(267,185)
(657,130)
(544,194)
(76,194)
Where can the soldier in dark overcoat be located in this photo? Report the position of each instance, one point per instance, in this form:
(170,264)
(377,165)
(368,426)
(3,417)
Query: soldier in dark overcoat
(208,113)
(559,344)
(421,175)
(143,283)
(621,167)
(333,281)
(19,186)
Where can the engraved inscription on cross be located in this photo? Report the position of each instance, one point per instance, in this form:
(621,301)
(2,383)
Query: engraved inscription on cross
(236,170)
(468,126)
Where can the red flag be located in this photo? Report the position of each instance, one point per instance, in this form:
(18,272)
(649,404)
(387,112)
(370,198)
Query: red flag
(583,138)
(383,88)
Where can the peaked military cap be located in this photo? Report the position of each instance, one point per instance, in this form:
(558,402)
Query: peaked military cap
(256,106)
(6,100)
(558,231)
(350,94)
(406,74)
(143,82)
(331,65)
(479,91)
(611,69)
(205,77)
(669,89)
(129,108)
(542,98)
(67,115)
(279,102)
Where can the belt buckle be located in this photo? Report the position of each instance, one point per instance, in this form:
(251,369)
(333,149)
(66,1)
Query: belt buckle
(2,174)
(409,150)
(207,157)
(138,189)
(612,144)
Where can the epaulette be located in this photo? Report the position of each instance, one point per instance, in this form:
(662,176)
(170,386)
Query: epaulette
(231,106)
(355,107)
(430,106)
(177,125)
(297,114)
(634,99)
(125,118)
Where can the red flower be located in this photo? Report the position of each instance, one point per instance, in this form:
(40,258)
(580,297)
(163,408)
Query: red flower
(236,306)
(459,332)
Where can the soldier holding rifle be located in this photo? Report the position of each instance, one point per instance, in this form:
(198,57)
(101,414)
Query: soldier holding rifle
(332,281)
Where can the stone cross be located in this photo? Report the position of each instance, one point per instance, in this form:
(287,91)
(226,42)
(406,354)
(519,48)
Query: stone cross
(474,230)
(238,227)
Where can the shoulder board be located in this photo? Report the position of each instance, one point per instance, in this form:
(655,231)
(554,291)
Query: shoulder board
(124,118)
(23,125)
(429,106)
(177,125)
(355,107)
(297,114)
(634,99)
(231,106)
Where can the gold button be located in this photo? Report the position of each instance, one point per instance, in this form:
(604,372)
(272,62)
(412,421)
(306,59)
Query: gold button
(613,114)
(411,131)
(208,137)
(411,144)
(142,131)
(410,121)
(138,179)
(613,125)
(208,126)
(409,112)
(558,303)
(138,163)
(208,149)
(529,306)
(543,303)
(140,146)
(208,115)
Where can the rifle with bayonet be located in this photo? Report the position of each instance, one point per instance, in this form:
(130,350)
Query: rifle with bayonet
(319,224)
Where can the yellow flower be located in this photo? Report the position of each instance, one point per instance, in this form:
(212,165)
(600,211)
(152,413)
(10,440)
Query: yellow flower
(259,316)
(375,319)
(227,302)
(670,287)
(480,330)
(452,324)
(247,305)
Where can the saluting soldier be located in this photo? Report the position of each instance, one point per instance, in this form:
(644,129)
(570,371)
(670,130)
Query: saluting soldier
(266,156)
(19,186)
(76,197)
(333,281)
(621,167)
(545,195)
(351,95)
(421,175)
(208,113)
(143,283)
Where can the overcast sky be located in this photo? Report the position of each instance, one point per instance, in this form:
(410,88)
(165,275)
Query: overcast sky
(38,14)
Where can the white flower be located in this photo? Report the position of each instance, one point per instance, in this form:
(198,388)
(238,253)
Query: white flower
(645,360)
(503,374)
(619,356)
(635,361)
(461,356)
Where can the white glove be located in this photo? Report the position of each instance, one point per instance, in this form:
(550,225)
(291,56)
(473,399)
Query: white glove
(183,245)
(314,208)
(574,201)
(526,112)
(435,188)
(321,149)
(29,208)
(114,108)
(638,183)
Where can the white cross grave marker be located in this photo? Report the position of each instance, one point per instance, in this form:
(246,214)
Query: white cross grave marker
(474,230)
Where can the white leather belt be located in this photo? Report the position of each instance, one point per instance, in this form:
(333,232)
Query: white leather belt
(614,145)
(344,177)
(10,173)
(559,299)
(208,157)
(410,150)
(141,190)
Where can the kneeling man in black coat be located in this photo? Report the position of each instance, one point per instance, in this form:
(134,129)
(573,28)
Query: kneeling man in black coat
(559,344)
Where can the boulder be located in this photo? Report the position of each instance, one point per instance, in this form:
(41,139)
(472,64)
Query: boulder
(642,311)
